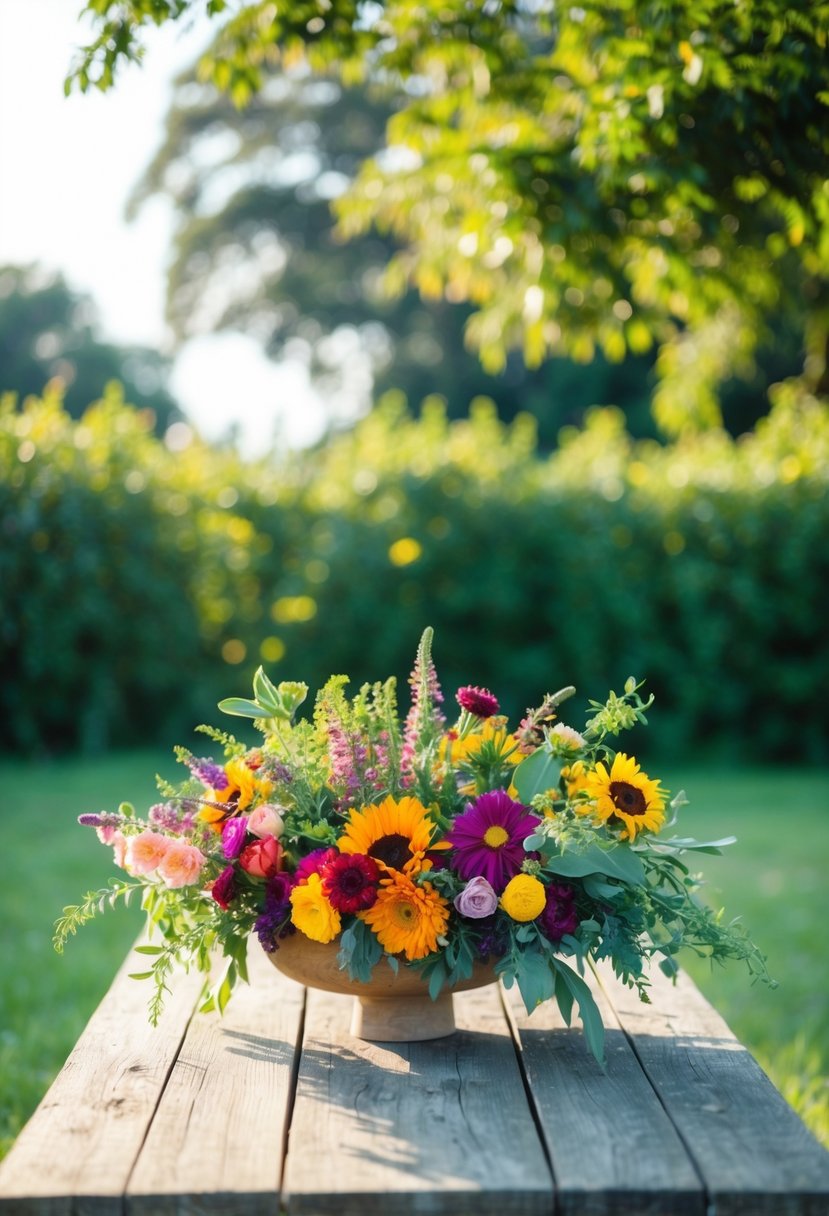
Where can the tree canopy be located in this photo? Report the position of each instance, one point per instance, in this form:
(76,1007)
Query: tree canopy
(49,332)
(611,177)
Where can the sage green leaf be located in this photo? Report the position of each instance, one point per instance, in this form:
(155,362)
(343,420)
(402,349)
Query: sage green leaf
(619,862)
(591,1019)
(239,707)
(537,774)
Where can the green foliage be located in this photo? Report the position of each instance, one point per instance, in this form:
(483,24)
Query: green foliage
(49,332)
(139,585)
(601,177)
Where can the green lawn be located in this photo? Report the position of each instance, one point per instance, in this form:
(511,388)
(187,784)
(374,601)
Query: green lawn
(775,878)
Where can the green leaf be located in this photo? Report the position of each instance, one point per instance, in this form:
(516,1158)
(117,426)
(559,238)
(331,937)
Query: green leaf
(535,979)
(266,693)
(239,707)
(537,774)
(618,862)
(140,975)
(591,1019)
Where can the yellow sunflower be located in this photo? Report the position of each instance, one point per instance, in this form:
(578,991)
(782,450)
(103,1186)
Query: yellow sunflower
(407,918)
(396,834)
(625,794)
(239,791)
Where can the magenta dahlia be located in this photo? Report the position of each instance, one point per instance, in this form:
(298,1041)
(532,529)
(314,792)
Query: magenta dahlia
(488,838)
(350,881)
(477,701)
(312,864)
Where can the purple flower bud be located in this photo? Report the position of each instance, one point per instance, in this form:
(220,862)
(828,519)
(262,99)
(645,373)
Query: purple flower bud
(233,837)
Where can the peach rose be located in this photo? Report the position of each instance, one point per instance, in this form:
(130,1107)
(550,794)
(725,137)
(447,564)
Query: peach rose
(181,865)
(145,852)
(266,820)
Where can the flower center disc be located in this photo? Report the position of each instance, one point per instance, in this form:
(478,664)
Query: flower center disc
(495,836)
(392,850)
(628,798)
(405,914)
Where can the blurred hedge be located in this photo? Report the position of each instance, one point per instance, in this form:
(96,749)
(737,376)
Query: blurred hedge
(140,581)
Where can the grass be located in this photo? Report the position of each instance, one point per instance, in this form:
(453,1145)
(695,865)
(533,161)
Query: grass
(774,877)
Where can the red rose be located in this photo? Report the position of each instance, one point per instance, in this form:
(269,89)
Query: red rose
(262,858)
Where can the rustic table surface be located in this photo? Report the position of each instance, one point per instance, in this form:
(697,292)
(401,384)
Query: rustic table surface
(275,1107)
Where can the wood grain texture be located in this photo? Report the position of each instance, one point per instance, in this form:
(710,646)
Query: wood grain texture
(75,1154)
(216,1143)
(755,1156)
(434,1128)
(612,1147)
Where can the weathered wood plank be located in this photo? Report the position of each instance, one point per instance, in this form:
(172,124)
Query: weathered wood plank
(75,1154)
(755,1156)
(216,1143)
(440,1127)
(613,1148)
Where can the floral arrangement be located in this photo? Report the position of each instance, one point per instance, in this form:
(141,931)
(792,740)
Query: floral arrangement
(418,843)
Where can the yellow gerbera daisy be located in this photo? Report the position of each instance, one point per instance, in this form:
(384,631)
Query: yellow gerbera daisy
(312,913)
(396,834)
(407,918)
(625,794)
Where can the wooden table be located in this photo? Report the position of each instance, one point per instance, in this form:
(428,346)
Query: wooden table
(276,1108)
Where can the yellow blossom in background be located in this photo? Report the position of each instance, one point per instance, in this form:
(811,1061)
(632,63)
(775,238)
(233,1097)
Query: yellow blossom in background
(524,897)
(311,912)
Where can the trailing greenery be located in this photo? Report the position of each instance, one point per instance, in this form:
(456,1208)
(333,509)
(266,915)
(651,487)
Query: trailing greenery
(139,584)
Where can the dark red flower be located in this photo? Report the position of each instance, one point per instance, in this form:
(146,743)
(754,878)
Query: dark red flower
(223,889)
(559,916)
(350,881)
(478,701)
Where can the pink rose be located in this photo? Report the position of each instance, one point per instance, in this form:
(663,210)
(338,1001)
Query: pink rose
(181,864)
(262,858)
(477,899)
(145,852)
(266,821)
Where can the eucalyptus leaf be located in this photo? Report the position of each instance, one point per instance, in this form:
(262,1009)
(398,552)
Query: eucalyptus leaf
(239,707)
(538,773)
(618,862)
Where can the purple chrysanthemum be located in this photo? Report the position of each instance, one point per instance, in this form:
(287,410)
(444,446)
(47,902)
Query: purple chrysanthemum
(478,701)
(488,838)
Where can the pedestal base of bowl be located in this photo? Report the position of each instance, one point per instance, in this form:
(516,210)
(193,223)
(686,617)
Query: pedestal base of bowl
(394,1007)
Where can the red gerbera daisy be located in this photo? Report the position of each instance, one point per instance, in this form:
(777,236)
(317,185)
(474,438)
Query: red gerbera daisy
(350,881)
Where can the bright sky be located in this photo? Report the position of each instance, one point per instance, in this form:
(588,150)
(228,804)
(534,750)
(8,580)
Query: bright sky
(67,166)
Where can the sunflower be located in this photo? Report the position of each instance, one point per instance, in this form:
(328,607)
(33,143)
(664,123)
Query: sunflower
(407,918)
(625,794)
(395,834)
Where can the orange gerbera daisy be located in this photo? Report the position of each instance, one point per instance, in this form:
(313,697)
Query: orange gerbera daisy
(407,918)
(396,834)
